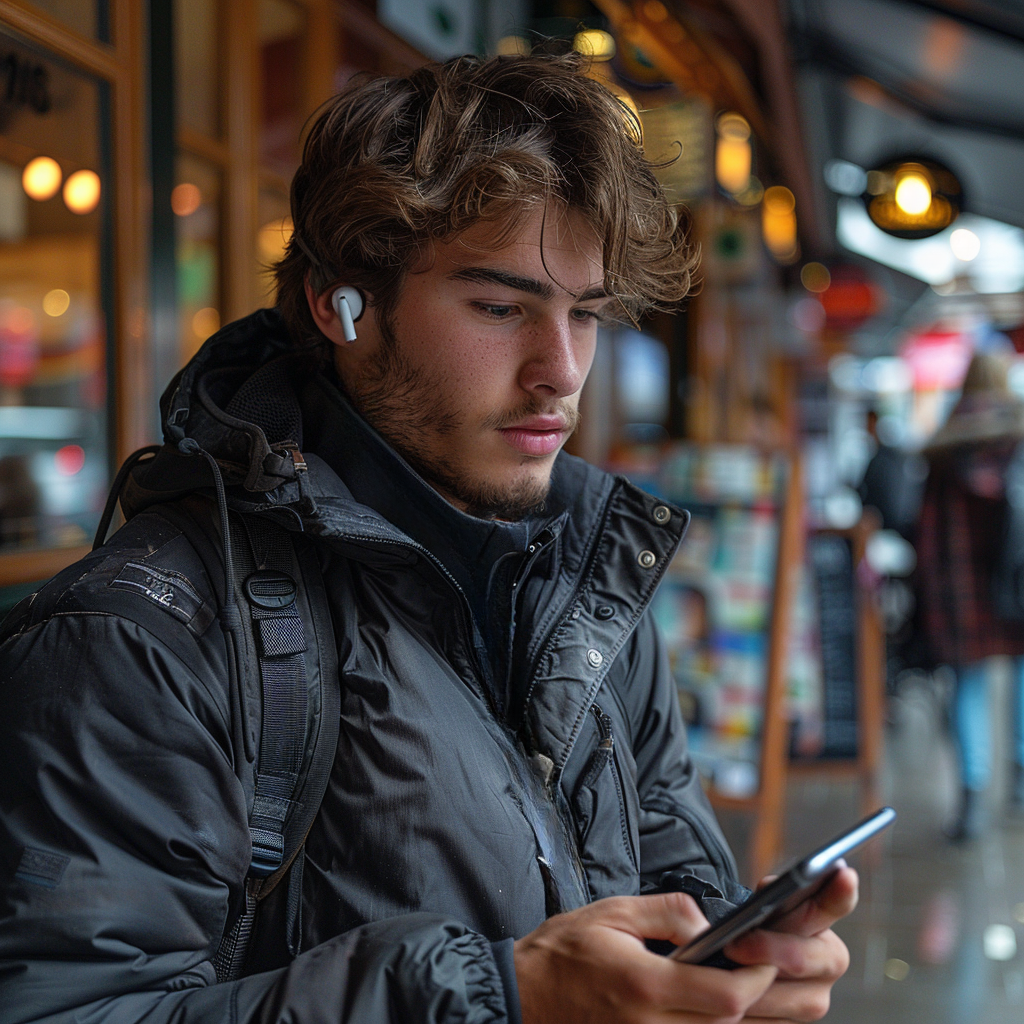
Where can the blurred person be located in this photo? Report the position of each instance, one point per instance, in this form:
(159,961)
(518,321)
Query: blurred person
(959,544)
(511,794)
(893,480)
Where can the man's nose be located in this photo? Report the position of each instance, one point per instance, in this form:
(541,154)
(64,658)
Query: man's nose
(558,359)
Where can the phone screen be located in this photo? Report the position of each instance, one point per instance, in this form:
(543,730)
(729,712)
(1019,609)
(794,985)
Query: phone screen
(785,893)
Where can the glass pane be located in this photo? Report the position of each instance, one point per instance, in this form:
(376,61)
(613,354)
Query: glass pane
(196,202)
(275,231)
(53,381)
(282,31)
(196,65)
(89,17)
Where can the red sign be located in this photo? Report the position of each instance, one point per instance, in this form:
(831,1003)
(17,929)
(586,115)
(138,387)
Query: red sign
(850,299)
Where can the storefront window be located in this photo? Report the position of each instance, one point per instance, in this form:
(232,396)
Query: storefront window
(89,17)
(196,204)
(53,279)
(282,37)
(196,65)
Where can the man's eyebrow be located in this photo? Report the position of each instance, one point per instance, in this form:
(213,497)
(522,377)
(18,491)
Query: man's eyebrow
(529,285)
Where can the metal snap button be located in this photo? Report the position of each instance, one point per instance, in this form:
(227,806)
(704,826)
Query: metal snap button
(662,514)
(595,657)
(604,611)
(647,558)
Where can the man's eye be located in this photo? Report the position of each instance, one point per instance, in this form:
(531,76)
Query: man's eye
(495,311)
(588,316)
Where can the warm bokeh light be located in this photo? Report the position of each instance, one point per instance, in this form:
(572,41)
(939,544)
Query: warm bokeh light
(82,191)
(732,152)
(273,239)
(778,223)
(206,322)
(815,277)
(913,194)
(41,178)
(56,302)
(186,199)
(593,42)
(779,200)
(965,244)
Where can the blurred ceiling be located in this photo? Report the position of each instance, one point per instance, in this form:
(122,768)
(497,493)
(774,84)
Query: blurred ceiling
(944,78)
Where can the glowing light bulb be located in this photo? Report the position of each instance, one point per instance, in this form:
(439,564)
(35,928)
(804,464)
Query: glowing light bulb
(965,244)
(913,194)
(82,192)
(41,178)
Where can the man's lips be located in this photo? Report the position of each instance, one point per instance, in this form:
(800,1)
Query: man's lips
(537,436)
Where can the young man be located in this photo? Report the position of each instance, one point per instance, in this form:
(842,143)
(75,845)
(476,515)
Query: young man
(509,771)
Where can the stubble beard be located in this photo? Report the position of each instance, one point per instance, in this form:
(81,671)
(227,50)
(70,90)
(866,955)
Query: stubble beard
(410,408)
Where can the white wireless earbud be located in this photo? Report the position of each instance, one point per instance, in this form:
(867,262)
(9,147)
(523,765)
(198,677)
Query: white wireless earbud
(348,304)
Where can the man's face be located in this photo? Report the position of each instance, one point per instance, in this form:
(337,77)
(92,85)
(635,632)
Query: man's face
(476,378)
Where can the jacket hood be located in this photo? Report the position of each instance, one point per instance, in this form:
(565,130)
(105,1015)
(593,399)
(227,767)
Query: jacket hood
(237,398)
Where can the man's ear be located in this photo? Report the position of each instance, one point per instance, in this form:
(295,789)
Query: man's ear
(324,315)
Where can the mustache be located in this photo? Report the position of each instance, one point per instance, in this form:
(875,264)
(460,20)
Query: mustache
(566,412)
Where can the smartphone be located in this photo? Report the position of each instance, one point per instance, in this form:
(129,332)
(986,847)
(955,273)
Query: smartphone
(781,896)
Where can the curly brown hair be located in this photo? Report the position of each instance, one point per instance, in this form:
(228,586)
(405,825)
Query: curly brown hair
(393,164)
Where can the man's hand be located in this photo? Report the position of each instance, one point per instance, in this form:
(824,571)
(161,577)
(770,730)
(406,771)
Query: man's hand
(590,966)
(809,956)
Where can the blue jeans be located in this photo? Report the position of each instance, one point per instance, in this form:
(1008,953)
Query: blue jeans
(972,721)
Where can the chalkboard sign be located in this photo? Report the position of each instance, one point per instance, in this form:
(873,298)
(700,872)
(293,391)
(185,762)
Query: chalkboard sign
(830,558)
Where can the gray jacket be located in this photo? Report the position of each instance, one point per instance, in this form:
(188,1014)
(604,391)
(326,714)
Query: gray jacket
(454,820)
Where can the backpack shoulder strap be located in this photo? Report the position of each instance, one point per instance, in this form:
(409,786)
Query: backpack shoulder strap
(292,687)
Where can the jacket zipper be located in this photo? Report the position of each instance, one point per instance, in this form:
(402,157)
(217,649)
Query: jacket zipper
(607,742)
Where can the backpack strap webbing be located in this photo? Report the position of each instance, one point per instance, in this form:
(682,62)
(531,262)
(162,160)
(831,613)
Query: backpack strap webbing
(291,661)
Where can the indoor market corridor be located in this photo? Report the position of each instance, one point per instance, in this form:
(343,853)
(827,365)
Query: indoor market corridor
(936,937)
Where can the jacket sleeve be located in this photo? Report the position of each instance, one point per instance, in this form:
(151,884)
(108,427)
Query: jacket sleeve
(124,841)
(678,829)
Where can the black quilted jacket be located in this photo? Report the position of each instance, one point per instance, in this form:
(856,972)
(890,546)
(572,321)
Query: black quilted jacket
(449,826)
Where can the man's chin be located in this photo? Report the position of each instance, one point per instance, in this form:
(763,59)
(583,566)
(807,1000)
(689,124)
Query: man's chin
(509,500)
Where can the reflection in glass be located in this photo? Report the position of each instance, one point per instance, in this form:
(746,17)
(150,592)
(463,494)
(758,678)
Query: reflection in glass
(282,31)
(53,395)
(195,200)
(89,17)
(196,65)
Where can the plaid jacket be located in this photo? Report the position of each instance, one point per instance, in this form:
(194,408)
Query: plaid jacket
(959,539)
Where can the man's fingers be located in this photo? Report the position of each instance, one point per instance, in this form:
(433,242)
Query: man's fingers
(673,916)
(821,956)
(801,1001)
(672,986)
(821,911)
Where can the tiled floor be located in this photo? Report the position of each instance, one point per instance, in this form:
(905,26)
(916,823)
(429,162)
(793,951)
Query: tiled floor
(922,941)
